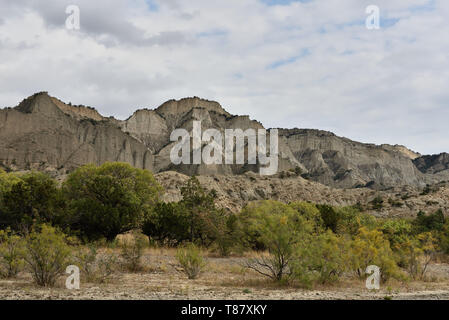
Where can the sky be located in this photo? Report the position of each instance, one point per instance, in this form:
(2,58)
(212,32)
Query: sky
(306,64)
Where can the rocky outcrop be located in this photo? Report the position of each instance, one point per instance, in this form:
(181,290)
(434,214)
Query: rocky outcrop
(43,132)
(340,162)
(235,191)
(78,112)
(433,164)
(38,134)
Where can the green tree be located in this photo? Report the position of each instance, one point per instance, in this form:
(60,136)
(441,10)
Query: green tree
(330,217)
(167,223)
(32,199)
(198,204)
(431,222)
(111,199)
(223,230)
(194,218)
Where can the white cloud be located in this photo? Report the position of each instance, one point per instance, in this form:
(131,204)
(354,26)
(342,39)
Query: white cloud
(311,64)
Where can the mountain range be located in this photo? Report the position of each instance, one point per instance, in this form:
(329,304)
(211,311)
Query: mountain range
(44,133)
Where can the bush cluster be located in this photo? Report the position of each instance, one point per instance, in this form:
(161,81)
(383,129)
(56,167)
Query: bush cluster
(297,242)
(310,244)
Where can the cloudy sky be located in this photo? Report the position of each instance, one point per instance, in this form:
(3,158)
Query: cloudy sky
(306,64)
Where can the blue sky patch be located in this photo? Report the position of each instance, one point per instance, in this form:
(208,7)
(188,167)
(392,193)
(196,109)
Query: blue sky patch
(152,5)
(290,60)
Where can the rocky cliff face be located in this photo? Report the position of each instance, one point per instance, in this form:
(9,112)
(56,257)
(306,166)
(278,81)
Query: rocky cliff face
(39,134)
(43,132)
(340,162)
(433,164)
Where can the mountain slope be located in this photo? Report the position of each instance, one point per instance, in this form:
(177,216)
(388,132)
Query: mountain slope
(39,134)
(44,133)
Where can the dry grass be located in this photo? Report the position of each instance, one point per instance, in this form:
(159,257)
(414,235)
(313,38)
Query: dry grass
(224,278)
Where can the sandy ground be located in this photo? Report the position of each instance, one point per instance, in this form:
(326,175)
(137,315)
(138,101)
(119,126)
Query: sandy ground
(224,278)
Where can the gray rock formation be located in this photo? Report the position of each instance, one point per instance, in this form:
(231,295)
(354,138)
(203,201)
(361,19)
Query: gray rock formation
(44,133)
(38,134)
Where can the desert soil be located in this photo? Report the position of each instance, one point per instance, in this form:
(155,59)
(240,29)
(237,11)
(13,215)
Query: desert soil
(224,278)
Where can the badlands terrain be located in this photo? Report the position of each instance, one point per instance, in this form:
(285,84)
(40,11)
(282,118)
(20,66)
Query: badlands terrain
(43,133)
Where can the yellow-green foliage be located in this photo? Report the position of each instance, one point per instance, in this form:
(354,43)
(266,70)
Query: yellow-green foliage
(12,253)
(7,180)
(191,260)
(417,252)
(351,220)
(48,254)
(370,247)
(278,228)
(321,258)
(271,224)
(310,212)
(397,231)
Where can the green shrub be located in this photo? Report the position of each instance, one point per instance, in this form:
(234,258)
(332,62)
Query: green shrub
(321,258)
(96,266)
(48,254)
(396,231)
(277,228)
(395,203)
(437,224)
(132,251)
(340,220)
(310,212)
(191,260)
(370,247)
(194,218)
(350,220)
(377,203)
(418,252)
(12,253)
(444,238)
(429,189)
